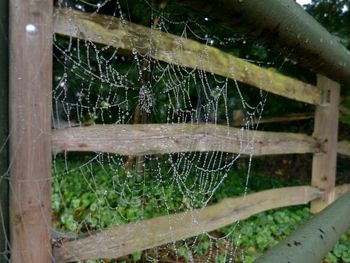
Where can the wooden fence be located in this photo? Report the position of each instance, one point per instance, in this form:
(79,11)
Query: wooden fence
(158,139)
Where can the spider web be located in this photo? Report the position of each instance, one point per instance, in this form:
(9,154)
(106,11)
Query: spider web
(98,84)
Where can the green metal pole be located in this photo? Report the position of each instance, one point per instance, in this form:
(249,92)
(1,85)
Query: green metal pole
(4,186)
(312,241)
(282,25)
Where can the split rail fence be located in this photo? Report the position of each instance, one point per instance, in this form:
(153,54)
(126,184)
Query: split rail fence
(30,234)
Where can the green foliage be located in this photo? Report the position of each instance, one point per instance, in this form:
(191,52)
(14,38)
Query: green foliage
(77,208)
(345,118)
(259,233)
(334,16)
(341,250)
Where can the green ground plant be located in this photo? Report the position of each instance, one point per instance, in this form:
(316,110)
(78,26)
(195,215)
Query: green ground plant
(83,199)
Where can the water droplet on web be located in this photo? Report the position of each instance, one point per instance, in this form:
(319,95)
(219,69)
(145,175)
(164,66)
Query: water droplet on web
(111,85)
(79,7)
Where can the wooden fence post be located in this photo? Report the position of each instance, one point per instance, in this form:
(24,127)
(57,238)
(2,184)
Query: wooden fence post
(324,164)
(4,192)
(30,130)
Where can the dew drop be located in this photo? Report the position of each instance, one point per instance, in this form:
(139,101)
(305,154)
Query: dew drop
(31,29)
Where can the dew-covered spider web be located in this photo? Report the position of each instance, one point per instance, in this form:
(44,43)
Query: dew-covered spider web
(135,95)
(98,84)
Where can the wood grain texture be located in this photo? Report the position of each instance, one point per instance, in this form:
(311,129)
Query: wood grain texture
(172,49)
(30,130)
(4,131)
(341,189)
(126,239)
(146,139)
(283,26)
(344,148)
(324,164)
(238,118)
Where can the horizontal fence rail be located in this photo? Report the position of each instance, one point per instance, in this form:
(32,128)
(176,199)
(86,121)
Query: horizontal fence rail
(284,26)
(341,189)
(126,239)
(238,119)
(172,49)
(344,148)
(146,139)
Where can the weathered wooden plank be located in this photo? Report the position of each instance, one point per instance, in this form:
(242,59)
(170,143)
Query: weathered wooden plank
(326,129)
(283,26)
(238,118)
(180,51)
(126,239)
(344,147)
(30,129)
(341,189)
(145,139)
(4,131)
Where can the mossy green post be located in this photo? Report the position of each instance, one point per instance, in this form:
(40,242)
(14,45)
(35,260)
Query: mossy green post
(4,188)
